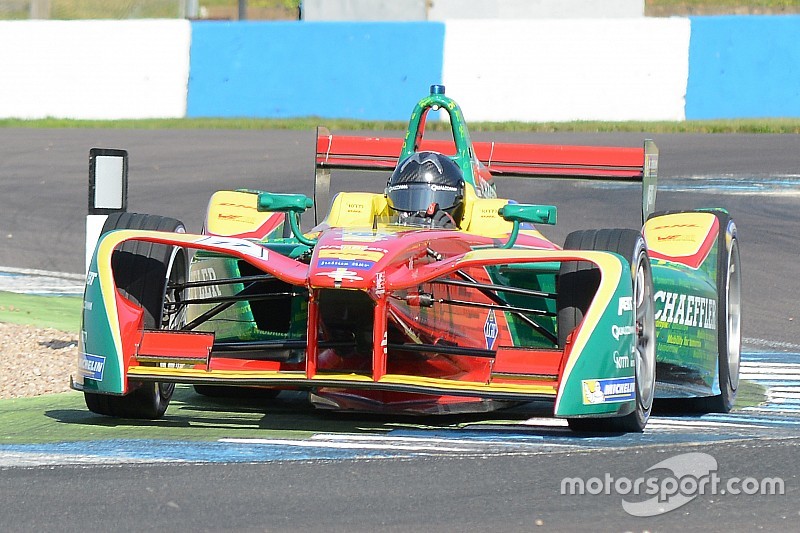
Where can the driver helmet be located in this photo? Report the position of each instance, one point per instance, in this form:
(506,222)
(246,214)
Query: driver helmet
(425,183)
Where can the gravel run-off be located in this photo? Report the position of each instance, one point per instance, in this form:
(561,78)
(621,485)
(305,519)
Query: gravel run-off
(35,361)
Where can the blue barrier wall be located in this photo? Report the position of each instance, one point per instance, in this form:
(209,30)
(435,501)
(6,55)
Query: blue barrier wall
(744,67)
(292,69)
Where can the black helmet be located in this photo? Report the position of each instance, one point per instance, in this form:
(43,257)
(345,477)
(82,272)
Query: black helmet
(424,179)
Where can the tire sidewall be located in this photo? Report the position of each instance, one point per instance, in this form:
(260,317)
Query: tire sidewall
(727,246)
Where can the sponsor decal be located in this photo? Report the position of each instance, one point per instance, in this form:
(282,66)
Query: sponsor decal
(92,366)
(676,226)
(651,195)
(362,236)
(625,304)
(621,331)
(352,251)
(236,218)
(490,330)
(237,206)
(433,186)
(239,246)
(380,284)
(355,264)
(686,309)
(622,361)
(596,391)
(341,274)
(90,277)
(652,164)
(358,207)
(204,274)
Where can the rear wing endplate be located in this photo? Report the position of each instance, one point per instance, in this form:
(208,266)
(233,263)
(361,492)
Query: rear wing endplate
(501,159)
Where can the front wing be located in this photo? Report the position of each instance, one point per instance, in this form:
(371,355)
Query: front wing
(584,378)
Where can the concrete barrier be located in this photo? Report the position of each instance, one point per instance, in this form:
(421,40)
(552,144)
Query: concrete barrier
(293,69)
(94,69)
(561,70)
(744,67)
(525,70)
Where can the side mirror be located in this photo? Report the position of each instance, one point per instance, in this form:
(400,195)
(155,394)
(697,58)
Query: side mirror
(291,204)
(535,214)
(284,203)
(519,213)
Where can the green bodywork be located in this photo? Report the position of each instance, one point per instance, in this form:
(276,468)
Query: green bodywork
(687,336)
(100,367)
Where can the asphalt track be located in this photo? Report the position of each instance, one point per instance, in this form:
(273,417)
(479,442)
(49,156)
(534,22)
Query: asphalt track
(467,475)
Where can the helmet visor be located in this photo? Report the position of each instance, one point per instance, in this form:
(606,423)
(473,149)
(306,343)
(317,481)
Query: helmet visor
(419,196)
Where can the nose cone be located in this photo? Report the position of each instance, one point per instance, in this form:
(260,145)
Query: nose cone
(348,260)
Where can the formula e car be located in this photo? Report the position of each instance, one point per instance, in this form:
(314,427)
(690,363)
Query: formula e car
(379,309)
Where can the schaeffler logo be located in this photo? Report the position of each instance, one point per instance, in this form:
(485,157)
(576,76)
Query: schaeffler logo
(675,482)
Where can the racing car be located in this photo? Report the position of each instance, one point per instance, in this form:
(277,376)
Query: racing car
(433,296)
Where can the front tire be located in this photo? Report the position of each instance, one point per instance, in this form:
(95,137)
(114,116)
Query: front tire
(145,273)
(578,282)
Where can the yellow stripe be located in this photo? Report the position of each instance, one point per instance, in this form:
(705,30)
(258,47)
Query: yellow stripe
(610,274)
(524,377)
(232,375)
(466,385)
(355,379)
(108,289)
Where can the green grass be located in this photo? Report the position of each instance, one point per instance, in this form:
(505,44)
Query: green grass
(767,125)
(718,7)
(287,9)
(750,394)
(58,312)
(64,418)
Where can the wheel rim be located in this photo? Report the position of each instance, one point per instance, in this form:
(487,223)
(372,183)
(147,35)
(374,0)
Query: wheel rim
(173,315)
(645,329)
(734,315)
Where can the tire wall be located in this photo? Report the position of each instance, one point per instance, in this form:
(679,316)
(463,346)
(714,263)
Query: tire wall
(633,68)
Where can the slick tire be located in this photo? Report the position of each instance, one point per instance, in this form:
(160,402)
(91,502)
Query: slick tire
(578,283)
(142,273)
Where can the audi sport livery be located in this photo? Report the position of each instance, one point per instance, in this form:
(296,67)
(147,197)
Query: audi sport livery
(369,313)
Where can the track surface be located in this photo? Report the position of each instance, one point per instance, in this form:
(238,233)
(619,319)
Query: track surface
(435,479)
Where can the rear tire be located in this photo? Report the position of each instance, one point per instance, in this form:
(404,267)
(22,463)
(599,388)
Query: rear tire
(142,273)
(578,283)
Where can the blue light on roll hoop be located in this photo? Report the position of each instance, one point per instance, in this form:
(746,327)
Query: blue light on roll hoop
(437,89)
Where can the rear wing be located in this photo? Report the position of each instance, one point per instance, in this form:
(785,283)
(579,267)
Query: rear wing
(501,159)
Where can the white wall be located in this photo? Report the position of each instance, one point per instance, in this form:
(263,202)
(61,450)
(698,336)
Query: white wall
(364,10)
(94,69)
(443,10)
(522,9)
(562,70)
